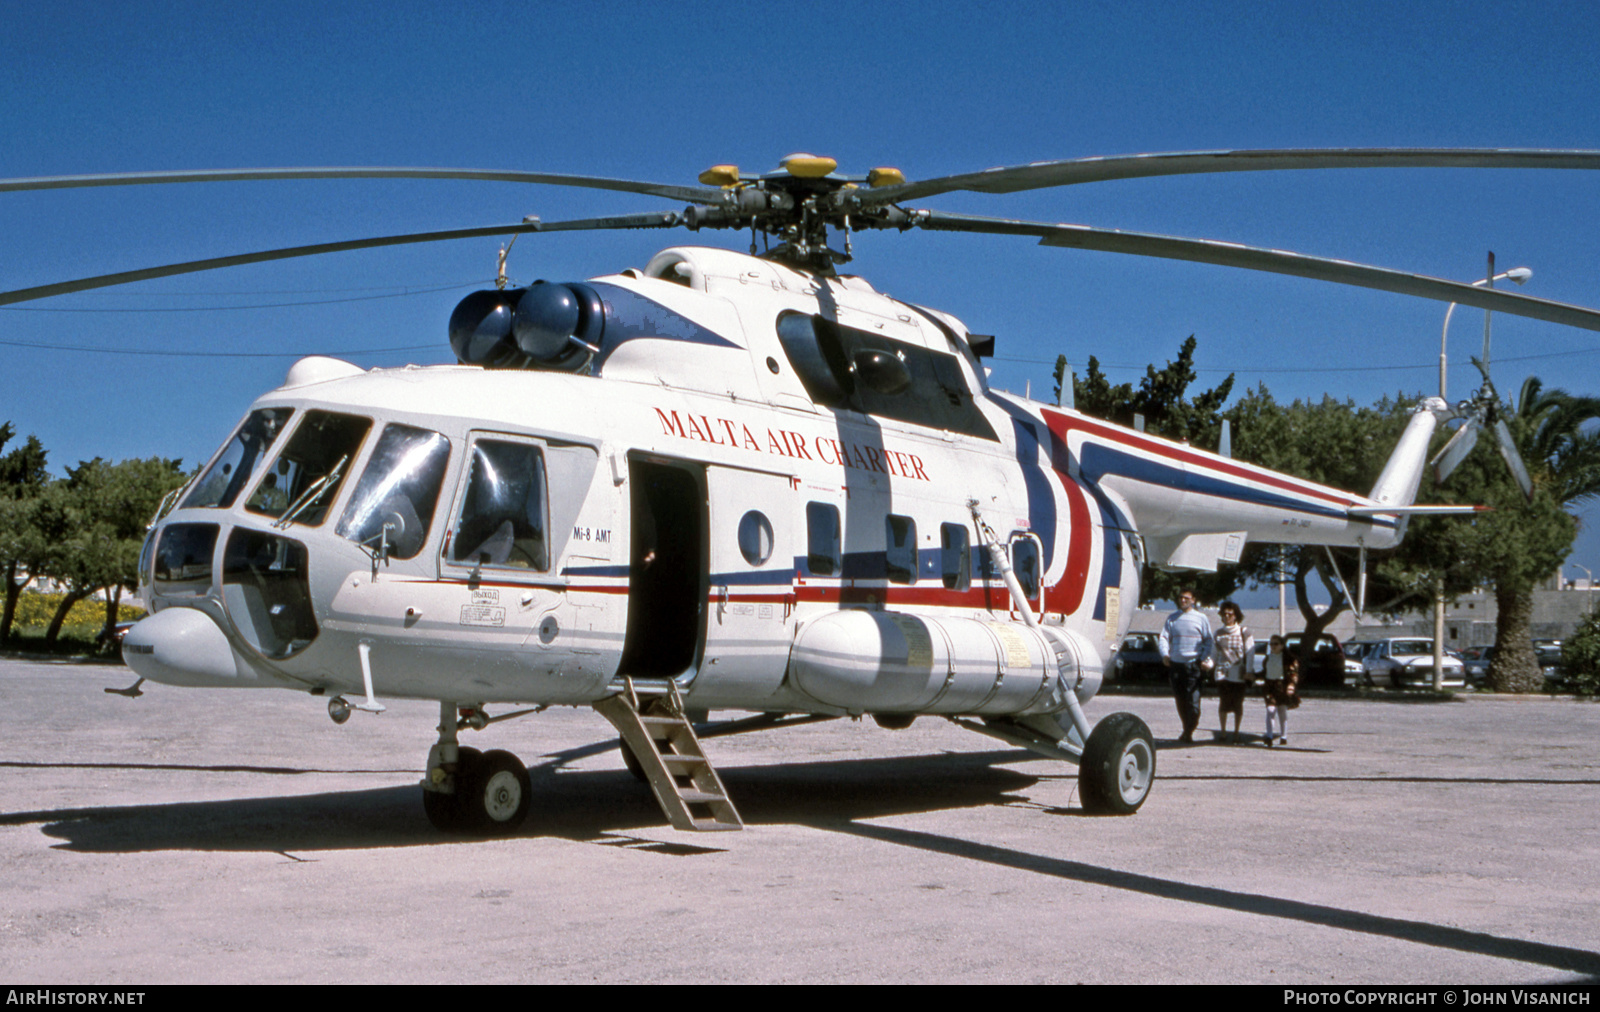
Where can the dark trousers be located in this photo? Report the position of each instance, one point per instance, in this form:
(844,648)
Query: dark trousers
(1186,681)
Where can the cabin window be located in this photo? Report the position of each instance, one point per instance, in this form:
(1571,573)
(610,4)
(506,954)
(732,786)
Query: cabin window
(823,553)
(955,556)
(267,591)
(393,504)
(1025,563)
(304,480)
(755,538)
(846,368)
(184,553)
(240,460)
(503,517)
(900,555)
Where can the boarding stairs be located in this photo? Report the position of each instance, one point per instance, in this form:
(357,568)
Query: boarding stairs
(660,737)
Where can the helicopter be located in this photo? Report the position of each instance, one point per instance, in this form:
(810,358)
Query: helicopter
(731,481)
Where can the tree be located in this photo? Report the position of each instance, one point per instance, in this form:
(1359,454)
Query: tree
(1523,541)
(22,479)
(94,525)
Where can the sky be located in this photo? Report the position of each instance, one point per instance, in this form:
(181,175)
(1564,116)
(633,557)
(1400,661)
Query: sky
(659,92)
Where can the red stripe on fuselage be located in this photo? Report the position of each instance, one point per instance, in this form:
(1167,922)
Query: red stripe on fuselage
(1061,425)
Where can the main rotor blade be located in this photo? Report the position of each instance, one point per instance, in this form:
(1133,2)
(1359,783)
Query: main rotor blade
(1068,172)
(1227,254)
(653,219)
(692,194)
(1509,453)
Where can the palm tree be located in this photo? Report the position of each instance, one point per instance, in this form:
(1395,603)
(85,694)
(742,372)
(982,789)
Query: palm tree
(1521,543)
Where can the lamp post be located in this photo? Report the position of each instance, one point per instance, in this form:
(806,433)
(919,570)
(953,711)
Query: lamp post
(1520,275)
(1588,590)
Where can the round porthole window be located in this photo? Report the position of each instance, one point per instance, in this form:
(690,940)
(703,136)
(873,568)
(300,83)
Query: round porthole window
(755,538)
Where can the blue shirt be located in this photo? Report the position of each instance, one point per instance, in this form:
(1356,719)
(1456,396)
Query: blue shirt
(1187,637)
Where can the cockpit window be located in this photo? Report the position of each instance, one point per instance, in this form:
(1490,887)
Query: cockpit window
(393,504)
(240,460)
(304,480)
(843,367)
(503,518)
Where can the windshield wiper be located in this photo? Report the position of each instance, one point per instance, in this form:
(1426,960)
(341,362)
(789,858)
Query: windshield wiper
(312,495)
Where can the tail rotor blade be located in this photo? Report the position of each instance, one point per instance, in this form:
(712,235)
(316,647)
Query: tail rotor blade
(1513,459)
(1455,451)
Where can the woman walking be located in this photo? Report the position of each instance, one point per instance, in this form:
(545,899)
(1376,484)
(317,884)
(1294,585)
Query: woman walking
(1234,646)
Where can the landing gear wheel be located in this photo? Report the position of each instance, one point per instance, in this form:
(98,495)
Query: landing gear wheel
(444,810)
(632,762)
(494,793)
(1118,766)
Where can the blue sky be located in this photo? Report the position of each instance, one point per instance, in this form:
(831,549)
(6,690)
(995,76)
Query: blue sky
(661,91)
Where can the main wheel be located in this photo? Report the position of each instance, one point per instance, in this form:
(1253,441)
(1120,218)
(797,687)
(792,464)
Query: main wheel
(493,793)
(631,761)
(444,811)
(1118,766)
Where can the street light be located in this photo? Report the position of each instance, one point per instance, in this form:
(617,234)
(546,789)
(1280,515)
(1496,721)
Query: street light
(1520,275)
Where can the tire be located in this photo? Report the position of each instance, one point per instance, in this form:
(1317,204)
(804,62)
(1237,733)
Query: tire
(444,811)
(1118,766)
(493,793)
(631,761)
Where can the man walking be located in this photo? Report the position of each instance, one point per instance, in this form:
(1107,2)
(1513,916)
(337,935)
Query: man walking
(1186,647)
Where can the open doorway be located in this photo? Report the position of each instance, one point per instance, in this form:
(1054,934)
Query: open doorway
(666,571)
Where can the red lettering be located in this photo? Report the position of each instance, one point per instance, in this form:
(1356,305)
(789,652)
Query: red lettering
(917,463)
(749,440)
(800,445)
(861,462)
(711,432)
(733,437)
(694,431)
(670,426)
(821,442)
(776,447)
(876,459)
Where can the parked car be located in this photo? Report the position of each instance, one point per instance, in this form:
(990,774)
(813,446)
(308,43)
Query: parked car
(1327,665)
(1550,663)
(1476,661)
(1407,661)
(1138,659)
(1355,655)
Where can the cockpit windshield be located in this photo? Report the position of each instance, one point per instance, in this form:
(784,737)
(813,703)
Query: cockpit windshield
(306,475)
(240,460)
(393,504)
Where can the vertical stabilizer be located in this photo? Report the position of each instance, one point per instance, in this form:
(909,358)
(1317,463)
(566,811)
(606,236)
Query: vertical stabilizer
(1397,485)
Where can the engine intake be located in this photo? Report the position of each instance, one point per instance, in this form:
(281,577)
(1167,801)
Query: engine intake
(548,325)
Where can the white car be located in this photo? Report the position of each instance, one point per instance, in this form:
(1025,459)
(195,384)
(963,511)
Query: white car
(1409,661)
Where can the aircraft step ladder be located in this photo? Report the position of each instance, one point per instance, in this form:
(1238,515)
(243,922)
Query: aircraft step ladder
(662,740)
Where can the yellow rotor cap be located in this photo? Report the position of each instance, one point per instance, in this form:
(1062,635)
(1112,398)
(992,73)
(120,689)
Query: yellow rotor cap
(720,175)
(885,177)
(809,166)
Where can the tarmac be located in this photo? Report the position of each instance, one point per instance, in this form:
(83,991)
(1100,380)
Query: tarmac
(236,836)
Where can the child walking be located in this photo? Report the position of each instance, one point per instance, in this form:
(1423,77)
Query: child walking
(1282,674)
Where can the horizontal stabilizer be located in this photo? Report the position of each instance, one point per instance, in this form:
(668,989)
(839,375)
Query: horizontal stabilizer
(1372,511)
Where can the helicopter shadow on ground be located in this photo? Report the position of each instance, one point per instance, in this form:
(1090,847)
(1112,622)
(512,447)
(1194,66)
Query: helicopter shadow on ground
(584,805)
(1559,957)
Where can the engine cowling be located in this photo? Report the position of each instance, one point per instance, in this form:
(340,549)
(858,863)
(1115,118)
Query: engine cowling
(548,325)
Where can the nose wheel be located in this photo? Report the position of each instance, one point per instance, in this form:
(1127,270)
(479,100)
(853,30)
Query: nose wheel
(491,796)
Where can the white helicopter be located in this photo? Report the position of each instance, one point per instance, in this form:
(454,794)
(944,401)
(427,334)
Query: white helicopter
(730,482)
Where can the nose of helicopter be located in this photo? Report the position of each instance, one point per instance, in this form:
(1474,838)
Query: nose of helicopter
(185,646)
